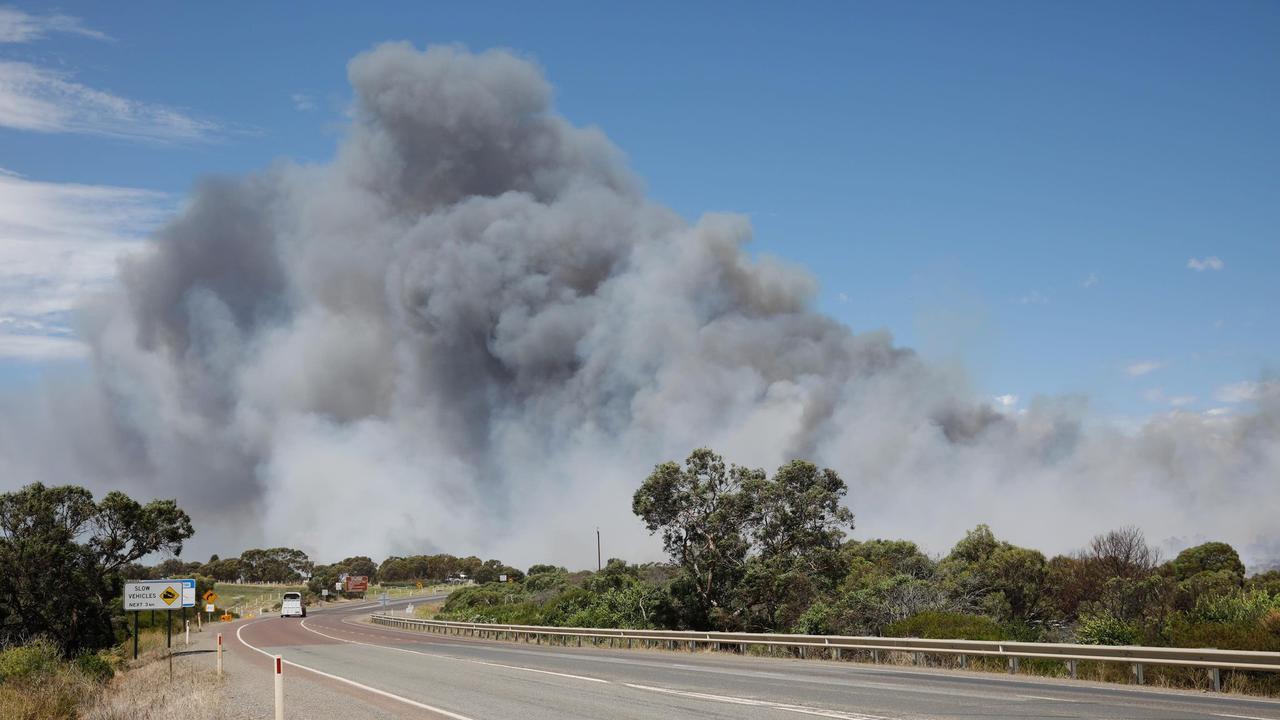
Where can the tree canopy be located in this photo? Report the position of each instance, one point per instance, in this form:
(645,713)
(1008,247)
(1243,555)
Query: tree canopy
(61,556)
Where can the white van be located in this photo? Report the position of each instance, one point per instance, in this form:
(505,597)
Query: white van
(291,605)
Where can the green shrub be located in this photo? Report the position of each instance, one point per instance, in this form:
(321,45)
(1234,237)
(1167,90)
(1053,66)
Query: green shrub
(1105,629)
(1244,607)
(95,666)
(37,657)
(1182,632)
(947,626)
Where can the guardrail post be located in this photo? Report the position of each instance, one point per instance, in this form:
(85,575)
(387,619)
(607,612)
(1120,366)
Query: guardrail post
(743,648)
(1216,673)
(835,654)
(804,652)
(1071,666)
(875,656)
(964,661)
(1137,671)
(915,658)
(1013,666)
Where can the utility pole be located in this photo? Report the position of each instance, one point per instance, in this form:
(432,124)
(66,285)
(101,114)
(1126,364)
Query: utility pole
(599,565)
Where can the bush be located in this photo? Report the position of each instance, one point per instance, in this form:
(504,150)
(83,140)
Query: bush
(38,657)
(1245,608)
(1224,636)
(1105,629)
(947,626)
(95,666)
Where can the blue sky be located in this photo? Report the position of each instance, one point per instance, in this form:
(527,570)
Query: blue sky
(1023,189)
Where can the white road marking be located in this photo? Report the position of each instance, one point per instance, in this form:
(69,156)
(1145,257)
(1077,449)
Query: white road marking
(452,657)
(1051,699)
(1243,717)
(544,672)
(353,683)
(801,709)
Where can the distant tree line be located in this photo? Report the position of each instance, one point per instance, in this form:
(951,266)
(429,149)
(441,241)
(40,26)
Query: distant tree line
(748,551)
(752,552)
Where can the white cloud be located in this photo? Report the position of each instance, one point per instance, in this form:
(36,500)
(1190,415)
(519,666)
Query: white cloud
(17,26)
(59,241)
(42,100)
(1138,369)
(1091,280)
(1246,391)
(1211,262)
(1217,412)
(843,297)
(1033,298)
(40,348)
(1006,401)
(303,102)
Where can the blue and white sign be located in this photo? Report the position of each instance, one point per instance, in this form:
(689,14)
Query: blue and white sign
(188,592)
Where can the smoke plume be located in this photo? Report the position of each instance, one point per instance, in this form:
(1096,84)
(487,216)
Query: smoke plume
(472,332)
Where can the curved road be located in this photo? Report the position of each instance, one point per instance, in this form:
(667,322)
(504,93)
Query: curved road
(417,675)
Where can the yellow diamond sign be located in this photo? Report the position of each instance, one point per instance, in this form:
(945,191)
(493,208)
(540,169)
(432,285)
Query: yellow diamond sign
(210,596)
(169,595)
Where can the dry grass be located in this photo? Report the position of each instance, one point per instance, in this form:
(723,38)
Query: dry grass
(40,686)
(49,696)
(428,610)
(146,692)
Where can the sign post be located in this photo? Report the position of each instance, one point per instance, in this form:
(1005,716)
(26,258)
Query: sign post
(210,598)
(154,595)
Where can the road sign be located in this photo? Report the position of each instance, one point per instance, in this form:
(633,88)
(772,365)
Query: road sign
(502,578)
(208,608)
(210,597)
(188,592)
(145,595)
(169,596)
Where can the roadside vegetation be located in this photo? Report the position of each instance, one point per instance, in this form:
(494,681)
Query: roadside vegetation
(747,551)
(756,553)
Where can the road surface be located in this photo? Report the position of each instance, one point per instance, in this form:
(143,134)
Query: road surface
(421,675)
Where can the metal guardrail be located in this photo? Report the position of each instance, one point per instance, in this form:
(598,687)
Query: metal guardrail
(1138,656)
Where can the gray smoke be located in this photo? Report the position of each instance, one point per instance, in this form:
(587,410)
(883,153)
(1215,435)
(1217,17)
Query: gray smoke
(472,332)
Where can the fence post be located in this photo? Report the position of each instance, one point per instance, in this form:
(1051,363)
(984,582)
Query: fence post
(279,688)
(219,654)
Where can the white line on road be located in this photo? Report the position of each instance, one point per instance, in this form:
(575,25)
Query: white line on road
(452,657)
(1051,699)
(544,672)
(801,709)
(353,683)
(1243,717)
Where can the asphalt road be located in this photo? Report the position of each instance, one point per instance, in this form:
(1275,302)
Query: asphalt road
(424,675)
